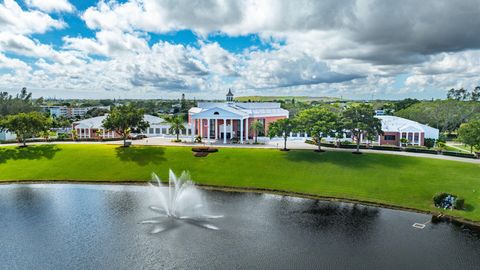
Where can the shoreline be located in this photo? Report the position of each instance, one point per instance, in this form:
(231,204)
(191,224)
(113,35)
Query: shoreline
(435,215)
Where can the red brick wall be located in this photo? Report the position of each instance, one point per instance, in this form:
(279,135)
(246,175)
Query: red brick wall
(390,142)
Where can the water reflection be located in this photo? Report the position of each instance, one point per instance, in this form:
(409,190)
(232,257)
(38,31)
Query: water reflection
(97,227)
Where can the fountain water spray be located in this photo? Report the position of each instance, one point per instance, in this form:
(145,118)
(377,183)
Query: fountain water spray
(180,202)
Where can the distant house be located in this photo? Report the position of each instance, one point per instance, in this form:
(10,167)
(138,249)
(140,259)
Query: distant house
(227,120)
(396,128)
(88,128)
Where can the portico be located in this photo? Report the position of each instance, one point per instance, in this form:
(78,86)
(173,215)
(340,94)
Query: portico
(220,125)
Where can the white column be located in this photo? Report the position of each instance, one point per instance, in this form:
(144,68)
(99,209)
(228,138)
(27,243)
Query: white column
(246,129)
(193,129)
(241,131)
(208,130)
(291,134)
(216,129)
(201,127)
(361,137)
(224,131)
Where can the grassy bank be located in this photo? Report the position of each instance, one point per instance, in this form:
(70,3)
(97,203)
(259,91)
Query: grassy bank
(389,179)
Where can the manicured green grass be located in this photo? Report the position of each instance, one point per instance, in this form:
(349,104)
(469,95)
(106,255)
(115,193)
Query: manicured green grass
(396,180)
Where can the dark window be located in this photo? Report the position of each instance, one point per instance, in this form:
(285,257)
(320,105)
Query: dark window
(216,113)
(389,138)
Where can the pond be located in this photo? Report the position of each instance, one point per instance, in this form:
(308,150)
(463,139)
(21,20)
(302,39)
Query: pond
(60,226)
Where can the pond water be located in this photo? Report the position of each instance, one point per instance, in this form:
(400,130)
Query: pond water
(57,226)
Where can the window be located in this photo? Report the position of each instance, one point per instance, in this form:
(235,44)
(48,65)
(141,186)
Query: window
(389,137)
(216,113)
(157,131)
(150,130)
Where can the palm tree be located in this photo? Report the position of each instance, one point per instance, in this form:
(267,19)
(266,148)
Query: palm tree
(256,127)
(176,124)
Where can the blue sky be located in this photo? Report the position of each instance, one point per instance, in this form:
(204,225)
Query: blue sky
(160,49)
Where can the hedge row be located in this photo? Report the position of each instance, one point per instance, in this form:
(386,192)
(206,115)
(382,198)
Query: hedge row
(458,154)
(386,148)
(422,150)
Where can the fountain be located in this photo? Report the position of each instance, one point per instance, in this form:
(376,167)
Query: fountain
(179,202)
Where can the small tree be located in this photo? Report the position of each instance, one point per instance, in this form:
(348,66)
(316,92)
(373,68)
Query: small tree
(282,128)
(256,127)
(26,125)
(176,124)
(74,134)
(99,134)
(318,122)
(404,141)
(124,119)
(469,134)
(360,119)
(47,134)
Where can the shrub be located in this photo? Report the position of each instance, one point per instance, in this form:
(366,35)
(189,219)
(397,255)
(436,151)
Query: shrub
(448,201)
(429,142)
(459,204)
(198,139)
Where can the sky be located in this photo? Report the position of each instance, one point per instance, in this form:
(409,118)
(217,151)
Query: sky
(356,49)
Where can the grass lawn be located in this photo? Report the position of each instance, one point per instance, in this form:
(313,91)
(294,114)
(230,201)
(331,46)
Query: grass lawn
(396,180)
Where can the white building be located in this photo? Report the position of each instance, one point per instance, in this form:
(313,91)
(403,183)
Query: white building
(7,136)
(228,120)
(93,128)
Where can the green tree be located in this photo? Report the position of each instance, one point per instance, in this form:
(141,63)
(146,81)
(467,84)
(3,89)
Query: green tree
(318,122)
(475,95)
(281,128)
(125,119)
(176,124)
(360,119)
(256,127)
(446,115)
(469,134)
(22,102)
(26,125)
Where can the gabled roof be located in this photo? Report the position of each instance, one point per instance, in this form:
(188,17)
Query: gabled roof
(97,122)
(398,124)
(229,94)
(256,109)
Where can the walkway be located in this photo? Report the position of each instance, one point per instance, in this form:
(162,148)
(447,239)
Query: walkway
(270,144)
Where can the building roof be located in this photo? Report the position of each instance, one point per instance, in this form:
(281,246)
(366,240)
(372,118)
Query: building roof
(97,122)
(229,94)
(254,109)
(398,124)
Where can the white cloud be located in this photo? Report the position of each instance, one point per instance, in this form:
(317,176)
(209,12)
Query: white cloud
(108,43)
(51,5)
(22,45)
(14,19)
(14,64)
(353,48)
